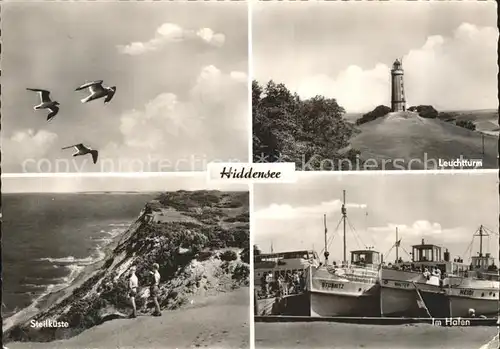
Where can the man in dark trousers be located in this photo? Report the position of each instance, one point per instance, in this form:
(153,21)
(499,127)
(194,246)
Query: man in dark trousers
(154,289)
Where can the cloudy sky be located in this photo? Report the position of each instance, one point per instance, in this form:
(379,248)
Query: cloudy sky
(180,77)
(444,209)
(132,182)
(345,50)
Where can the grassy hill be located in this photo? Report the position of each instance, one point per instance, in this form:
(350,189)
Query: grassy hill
(200,239)
(406,135)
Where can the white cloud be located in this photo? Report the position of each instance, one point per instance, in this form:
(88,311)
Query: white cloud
(422,229)
(280,212)
(170,128)
(172,33)
(457,72)
(354,88)
(210,37)
(28,144)
(239,76)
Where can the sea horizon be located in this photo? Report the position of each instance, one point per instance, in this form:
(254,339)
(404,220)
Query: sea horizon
(76,228)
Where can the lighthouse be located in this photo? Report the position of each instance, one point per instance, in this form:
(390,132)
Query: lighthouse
(398,102)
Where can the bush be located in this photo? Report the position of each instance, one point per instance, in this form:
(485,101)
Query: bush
(228,256)
(241,273)
(117,294)
(466,124)
(376,113)
(244,217)
(425,111)
(245,255)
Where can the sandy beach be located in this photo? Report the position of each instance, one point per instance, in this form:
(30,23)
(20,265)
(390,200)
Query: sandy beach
(217,322)
(349,336)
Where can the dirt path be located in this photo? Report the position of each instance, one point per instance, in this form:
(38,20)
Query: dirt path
(350,336)
(218,322)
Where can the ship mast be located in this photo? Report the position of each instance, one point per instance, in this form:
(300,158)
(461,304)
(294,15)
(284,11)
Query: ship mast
(326,241)
(397,246)
(481,233)
(344,218)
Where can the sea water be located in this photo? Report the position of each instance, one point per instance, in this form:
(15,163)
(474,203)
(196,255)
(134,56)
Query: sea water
(49,238)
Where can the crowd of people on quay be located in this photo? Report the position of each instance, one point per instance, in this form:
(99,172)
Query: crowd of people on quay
(282,283)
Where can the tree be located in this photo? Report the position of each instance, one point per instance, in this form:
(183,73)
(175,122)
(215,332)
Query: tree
(287,128)
(378,112)
(466,124)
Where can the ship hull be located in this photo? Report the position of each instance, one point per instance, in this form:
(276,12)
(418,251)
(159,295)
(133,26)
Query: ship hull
(398,303)
(459,307)
(265,306)
(468,293)
(326,305)
(402,293)
(346,292)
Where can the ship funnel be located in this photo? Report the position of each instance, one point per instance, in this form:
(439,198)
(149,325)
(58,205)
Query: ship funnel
(423,242)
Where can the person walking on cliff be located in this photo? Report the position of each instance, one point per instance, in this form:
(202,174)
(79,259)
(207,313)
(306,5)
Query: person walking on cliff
(155,290)
(133,284)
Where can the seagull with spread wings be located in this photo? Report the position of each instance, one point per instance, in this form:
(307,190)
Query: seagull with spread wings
(83,150)
(97,91)
(46,102)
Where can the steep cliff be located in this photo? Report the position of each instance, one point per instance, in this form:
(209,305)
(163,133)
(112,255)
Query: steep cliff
(200,240)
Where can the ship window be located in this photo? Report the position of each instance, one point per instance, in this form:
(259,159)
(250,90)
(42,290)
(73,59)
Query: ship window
(482,294)
(359,290)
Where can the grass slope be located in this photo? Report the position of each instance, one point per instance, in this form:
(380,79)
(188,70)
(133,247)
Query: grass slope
(405,135)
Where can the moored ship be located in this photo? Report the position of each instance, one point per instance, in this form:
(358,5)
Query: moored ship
(275,293)
(348,290)
(476,293)
(351,289)
(411,289)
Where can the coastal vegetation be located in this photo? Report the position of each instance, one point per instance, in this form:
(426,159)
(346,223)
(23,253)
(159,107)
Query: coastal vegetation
(378,112)
(425,111)
(287,128)
(466,124)
(200,241)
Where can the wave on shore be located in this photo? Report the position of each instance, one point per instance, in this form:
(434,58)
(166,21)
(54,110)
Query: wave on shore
(76,267)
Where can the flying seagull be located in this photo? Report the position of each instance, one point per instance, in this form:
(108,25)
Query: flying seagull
(83,150)
(97,91)
(46,102)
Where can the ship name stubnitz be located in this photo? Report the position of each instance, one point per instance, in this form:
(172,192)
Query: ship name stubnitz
(332,285)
